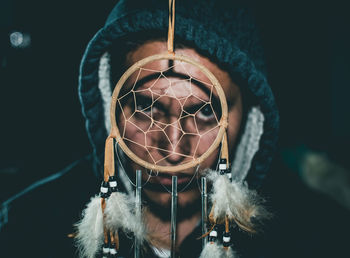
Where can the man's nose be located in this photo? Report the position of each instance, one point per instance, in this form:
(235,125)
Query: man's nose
(175,145)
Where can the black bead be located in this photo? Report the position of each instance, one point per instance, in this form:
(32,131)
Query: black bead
(212,239)
(226,244)
(104,184)
(223,161)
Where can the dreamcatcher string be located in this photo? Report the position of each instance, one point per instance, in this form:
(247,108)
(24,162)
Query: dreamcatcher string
(156,174)
(188,184)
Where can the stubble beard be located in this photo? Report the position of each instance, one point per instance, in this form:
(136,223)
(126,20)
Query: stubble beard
(163,210)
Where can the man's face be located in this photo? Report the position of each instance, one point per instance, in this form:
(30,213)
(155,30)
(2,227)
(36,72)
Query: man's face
(172,118)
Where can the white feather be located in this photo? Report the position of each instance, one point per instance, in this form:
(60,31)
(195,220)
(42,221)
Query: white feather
(119,214)
(229,253)
(212,250)
(89,238)
(236,200)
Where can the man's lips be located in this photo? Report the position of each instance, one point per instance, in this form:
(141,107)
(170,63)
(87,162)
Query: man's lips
(166,179)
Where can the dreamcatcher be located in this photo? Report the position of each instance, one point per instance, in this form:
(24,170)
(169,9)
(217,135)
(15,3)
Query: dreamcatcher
(163,139)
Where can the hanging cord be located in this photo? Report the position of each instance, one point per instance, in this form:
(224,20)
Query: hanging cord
(216,168)
(122,167)
(171,28)
(187,185)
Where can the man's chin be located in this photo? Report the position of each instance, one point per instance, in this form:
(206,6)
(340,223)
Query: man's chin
(188,204)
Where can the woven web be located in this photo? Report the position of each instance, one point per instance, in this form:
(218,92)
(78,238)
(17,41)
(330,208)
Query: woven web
(168,117)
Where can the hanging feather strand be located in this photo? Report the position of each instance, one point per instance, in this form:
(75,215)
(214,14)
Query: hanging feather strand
(120,215)
(106,214)
(235,200)
(229,253)
(89,238)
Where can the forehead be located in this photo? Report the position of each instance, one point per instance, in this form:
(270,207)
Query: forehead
(156,47)
(172,78)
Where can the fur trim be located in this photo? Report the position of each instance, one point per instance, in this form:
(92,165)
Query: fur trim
(212,250)
(89,238)
(235,200)
(104,85)
(248,145)
(119,214)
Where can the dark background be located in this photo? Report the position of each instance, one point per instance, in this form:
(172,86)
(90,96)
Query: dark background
(42,129)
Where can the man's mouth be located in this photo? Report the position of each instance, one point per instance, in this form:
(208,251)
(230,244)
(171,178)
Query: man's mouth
(166,179)
(163,182)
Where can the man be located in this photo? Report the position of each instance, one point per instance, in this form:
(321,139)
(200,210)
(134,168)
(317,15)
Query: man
(221,37)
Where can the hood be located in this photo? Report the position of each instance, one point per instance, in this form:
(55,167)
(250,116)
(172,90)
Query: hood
(223,31)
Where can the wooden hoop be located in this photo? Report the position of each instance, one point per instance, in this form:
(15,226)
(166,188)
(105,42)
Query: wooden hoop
(222,123)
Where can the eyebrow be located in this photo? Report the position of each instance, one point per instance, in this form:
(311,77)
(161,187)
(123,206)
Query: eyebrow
(213,98)
(145,79)
(158,104)
(170,73)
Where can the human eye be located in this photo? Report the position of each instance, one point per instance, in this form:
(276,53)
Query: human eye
(206,113)
(143,104)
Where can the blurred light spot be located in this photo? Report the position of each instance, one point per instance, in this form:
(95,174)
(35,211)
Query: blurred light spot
(19,39)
